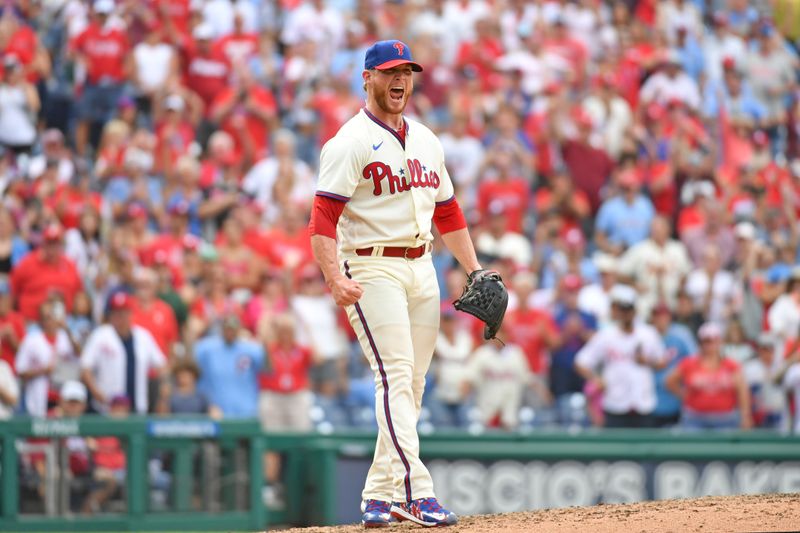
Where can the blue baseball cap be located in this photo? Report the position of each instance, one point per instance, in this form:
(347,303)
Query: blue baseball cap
(384,55)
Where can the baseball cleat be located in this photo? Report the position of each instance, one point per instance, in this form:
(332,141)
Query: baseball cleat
(425,512)
(376,513)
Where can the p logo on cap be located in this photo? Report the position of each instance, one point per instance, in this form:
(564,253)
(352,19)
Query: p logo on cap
(384,55)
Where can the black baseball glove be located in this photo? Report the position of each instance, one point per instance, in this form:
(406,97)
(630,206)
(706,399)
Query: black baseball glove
(485,297)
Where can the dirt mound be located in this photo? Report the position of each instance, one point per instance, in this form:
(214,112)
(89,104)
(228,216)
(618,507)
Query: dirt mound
(765,512)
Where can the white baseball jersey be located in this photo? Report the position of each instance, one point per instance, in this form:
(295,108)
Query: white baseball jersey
(392,186)
(36,352)
(105,355)
(629,385)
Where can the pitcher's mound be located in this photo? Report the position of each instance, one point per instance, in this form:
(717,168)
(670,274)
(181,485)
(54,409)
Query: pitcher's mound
(764,512)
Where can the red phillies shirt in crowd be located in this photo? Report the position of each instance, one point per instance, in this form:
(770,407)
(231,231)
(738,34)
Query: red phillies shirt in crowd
(163,249)
(563,45)
(11,323)
(69,203)
(777,180)
(24,44)
(237,47)
(660,180)
(709,390)
(177,11)
(512,193)
(589,167)
(255,127)
(159,319)
(288,369)
(281,248)
(105,51)
(109,453)
(334,108)
(528,328)
(206,73)
(172,141)
(482,55)
(33,279)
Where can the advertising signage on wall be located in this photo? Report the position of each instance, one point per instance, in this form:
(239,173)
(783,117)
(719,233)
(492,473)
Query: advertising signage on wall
(473,487)
(469,486)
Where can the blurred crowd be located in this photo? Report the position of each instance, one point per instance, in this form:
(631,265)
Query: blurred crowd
(630,167)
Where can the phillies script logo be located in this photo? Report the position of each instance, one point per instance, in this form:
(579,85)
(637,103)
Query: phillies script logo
(399,47)
(418,176)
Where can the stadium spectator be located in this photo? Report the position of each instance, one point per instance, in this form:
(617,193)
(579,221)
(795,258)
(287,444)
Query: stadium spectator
(454,347)
(280,180)
(530,328)
(499,377)
(569,258)
(595,298)
(499,240)
(103,51)
(712,389)
(624,220)
(118,357)
(679,343)
(790,379)
(152,314)
(47,358)
(575,328)
(42,272)
(12,327)
(760,373)
(736,345)
(713,290)
(784,314)
(13,246)
(9,390)
(184,397)
(628,352)
(19,104)
(656,266)
(108,459)
(229,366)
(318,328)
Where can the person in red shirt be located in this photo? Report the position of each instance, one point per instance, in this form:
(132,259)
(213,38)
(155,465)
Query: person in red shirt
(511,190)
(153,314)
(247,112)
(72,199)
(532,329)
(12,326)
(285,398)
(175,133)
(206,70)
(110,462)
(42,272)
(104,50)
(334,106)
(21,40)
(238,46)
(588,166)
(482,53)
(711,387)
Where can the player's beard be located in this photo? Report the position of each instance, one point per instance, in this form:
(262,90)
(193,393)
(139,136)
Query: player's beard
(388,104)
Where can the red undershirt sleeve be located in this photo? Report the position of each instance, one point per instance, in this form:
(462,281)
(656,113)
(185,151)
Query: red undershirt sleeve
(325,215)
(447,216)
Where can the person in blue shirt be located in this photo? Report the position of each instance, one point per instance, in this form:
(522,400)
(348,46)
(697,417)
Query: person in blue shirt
(575,327)
(624,220)
(229,368)
(679,343)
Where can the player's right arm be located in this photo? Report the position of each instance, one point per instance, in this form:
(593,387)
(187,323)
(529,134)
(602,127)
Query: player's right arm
(341,162)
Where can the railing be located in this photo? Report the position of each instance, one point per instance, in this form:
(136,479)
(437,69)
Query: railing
(216,471)
(229,454)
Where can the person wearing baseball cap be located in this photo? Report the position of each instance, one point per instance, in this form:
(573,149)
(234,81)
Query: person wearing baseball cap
(118,357)
(46,269)
(627,351)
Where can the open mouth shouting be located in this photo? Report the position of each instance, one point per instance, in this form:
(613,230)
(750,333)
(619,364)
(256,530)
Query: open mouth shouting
(396,93)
